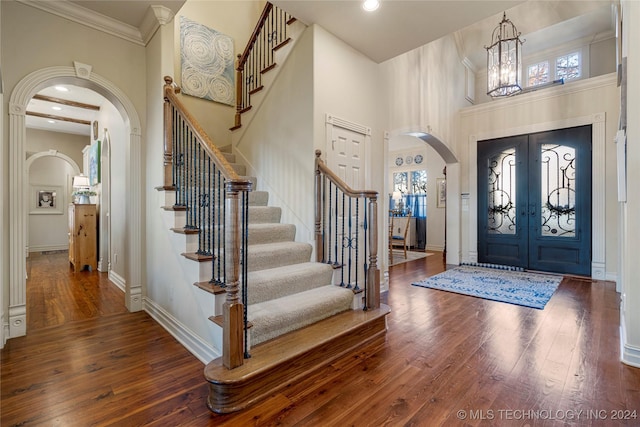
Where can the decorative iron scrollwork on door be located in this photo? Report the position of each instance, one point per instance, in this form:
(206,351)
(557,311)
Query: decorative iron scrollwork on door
(558,175)
(502,193)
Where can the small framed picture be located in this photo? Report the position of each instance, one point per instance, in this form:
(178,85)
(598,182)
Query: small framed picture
(441,192)
(46,200)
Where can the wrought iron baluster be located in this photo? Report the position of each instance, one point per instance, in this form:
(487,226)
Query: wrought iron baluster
(342,259)
(357,250)
(244,260)
(335,245)
(366,246)
(325,183)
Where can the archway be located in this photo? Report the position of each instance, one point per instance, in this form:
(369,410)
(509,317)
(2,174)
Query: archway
(79,75)
(28,163)
(452,229)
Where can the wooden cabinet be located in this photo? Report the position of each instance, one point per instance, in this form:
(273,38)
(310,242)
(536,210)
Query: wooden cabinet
(83,245)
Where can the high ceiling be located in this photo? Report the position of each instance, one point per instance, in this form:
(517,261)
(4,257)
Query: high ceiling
(398,26)
(395,28)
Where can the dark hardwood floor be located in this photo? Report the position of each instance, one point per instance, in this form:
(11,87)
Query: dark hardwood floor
(447,359)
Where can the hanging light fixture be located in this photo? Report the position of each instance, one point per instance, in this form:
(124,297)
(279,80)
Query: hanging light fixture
(504,60)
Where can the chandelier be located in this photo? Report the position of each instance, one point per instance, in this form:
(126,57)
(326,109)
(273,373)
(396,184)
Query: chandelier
(504,60)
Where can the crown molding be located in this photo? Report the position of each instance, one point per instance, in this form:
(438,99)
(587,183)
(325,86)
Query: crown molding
(568,88)
(155,16)
(89,18)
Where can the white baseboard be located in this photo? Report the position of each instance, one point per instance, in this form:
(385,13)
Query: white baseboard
(45,248)
(118,280)
(192,342)
(630,354)
(437,248)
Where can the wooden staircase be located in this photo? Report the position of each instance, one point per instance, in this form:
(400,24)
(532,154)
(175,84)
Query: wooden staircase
(306,340)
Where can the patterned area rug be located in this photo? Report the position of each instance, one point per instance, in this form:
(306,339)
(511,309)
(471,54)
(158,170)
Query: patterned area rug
(513,287)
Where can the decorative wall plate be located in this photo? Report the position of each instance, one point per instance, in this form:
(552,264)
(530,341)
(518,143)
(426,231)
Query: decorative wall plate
(418,159)
(399,161)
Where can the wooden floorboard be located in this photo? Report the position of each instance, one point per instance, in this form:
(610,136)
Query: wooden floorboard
(87,361)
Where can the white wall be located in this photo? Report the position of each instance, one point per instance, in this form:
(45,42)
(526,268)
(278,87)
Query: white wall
(425,90)
(630,315)
(4,274)
(346,84)
(66,143)
(278,147)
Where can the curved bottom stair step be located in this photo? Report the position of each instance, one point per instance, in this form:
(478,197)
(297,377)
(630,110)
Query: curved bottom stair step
(292,357)
(278,316)
(278,282)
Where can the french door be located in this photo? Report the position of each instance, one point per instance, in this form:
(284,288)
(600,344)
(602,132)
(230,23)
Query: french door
(534,201)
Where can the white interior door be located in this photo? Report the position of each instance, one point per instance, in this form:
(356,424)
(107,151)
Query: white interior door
(346,157)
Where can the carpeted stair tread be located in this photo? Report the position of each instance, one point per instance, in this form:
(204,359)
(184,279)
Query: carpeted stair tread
(258,198)
(281,315)
(271,233)
(271,255)
(286,280)
(258,233)
(239,168)
(231,158)
(264,214)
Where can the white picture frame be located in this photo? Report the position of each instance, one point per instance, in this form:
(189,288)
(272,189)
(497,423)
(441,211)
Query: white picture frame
(46,199)
(441,192)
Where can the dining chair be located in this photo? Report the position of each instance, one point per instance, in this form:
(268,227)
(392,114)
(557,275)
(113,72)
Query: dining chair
(400,238)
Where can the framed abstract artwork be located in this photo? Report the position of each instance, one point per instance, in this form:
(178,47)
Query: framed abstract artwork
(94,163)
(207,60)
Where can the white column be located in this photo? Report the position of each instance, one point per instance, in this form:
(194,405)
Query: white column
(17,275)
(598,266)
(630,315)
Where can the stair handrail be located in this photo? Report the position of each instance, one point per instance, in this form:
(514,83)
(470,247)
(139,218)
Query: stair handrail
(274,22)
(235,219)
(323,232)
(170,91)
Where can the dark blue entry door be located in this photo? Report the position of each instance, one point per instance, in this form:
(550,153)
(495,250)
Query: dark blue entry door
(534,201)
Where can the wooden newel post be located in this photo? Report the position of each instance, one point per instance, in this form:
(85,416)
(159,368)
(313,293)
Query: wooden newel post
(168,137)
(373,274)
(318,210)
(233,309)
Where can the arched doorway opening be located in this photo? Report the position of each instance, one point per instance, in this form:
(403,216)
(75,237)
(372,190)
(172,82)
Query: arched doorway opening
(417,137)
(80,75)
(37,225)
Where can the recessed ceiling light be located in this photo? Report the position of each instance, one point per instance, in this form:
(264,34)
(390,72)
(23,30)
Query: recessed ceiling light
(370,5)
(62,89)
(51,121)
(56,108)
